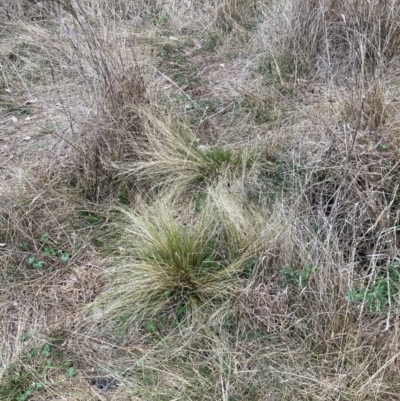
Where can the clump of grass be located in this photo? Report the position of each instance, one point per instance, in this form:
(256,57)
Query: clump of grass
(171,156)
(170,262)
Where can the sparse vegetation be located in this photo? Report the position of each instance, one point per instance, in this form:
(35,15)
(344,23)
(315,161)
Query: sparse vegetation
(199,202)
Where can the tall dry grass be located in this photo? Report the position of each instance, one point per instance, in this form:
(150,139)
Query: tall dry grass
(336,39)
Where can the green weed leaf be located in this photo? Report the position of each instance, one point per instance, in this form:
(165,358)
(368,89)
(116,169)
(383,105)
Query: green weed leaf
(64,257)
(48,250)
(43,237)
(25,336)
(70,372)
(35,263)
(46,350)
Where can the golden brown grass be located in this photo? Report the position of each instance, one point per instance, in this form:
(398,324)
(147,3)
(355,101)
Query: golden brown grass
(200,202)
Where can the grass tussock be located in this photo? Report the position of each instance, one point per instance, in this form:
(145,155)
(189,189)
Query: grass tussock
(199,201)
(173,266)
(171,155)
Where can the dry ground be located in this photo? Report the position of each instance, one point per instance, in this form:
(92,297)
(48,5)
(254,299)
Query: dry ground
(199,200)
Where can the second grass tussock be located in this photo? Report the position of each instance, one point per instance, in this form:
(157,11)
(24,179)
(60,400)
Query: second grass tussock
(170,155)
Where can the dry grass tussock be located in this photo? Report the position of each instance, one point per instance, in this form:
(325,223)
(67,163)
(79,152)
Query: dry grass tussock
(199,202)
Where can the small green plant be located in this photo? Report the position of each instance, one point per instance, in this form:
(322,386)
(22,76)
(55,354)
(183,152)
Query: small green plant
(64,257)
(251,27)
(26,335)
(197,111)
(277,70)
(46,350)
(150,326)
(48,365)
(199,200)
(383,292)
(34,351)
(261,111)
(123,196)
(25,246)
(180,312)
(151,18)
(166,50)
(90,217)
(249,267)
(173,51)
(157,20)
(70,372)
(43,238)
(164,19)
(35,263)
(49,251)
(281,178)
